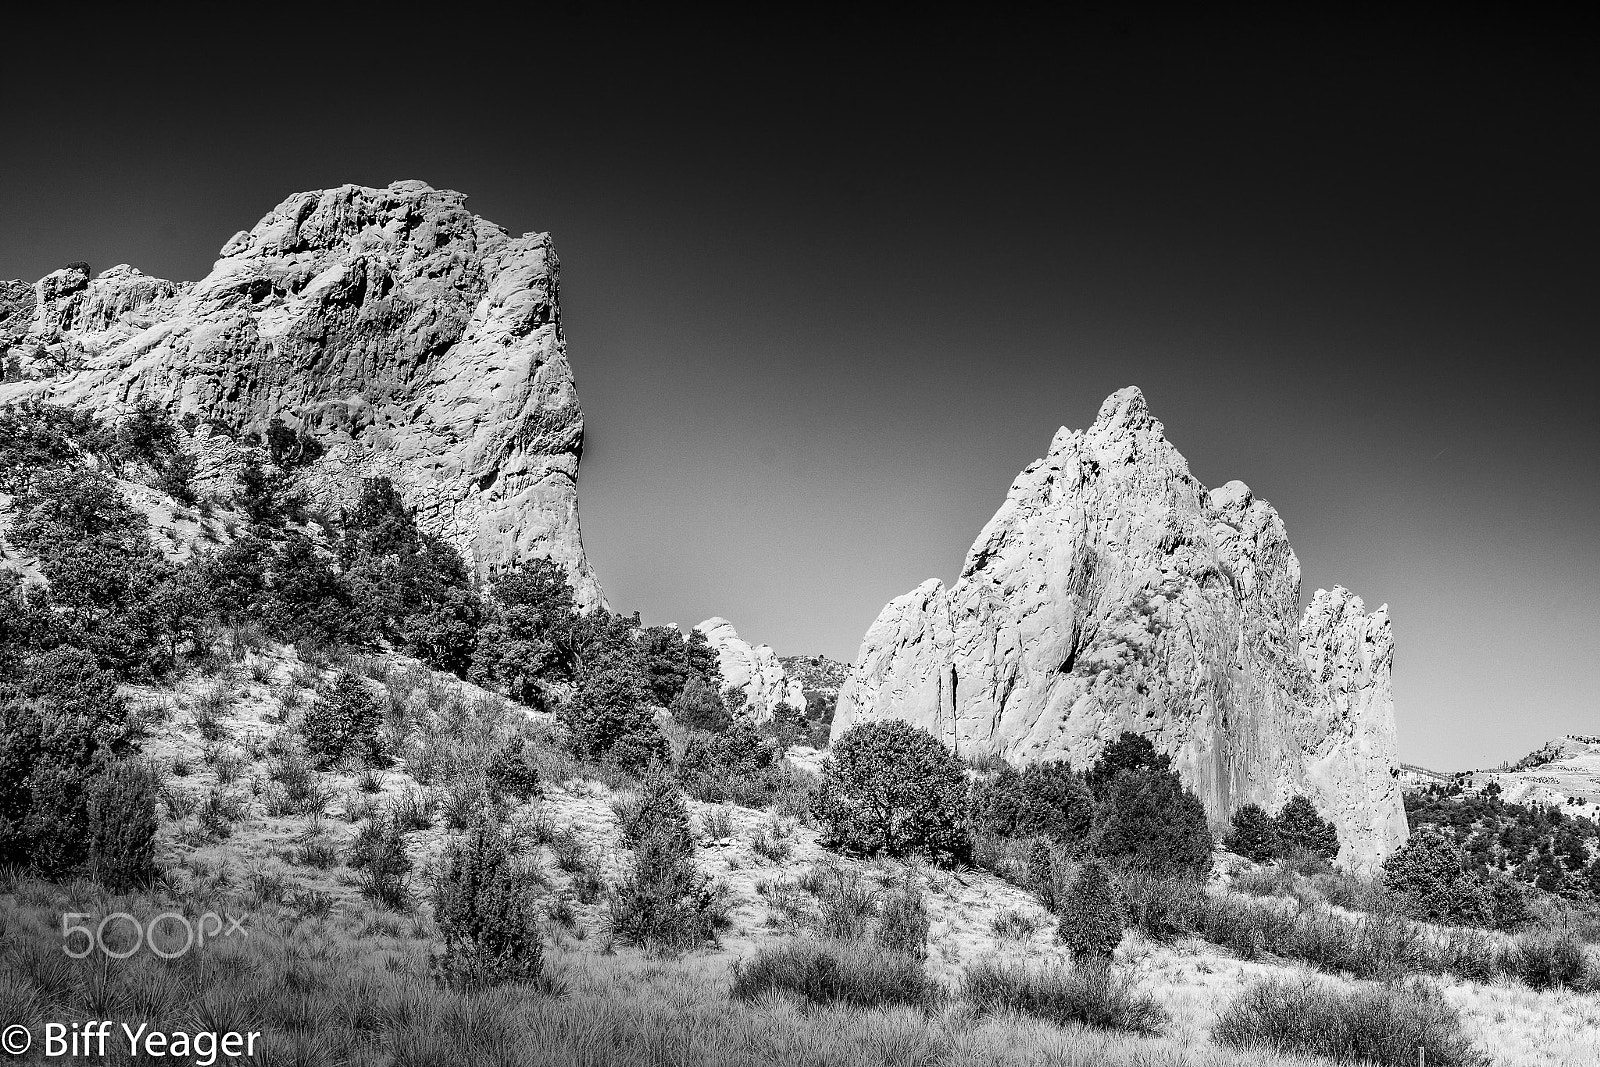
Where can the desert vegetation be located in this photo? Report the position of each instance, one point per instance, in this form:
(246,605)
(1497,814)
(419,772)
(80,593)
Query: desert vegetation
(473,824)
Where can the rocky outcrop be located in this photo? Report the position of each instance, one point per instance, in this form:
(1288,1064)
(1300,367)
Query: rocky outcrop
(411,338)
(1111,592)
(753,670)
(816,674)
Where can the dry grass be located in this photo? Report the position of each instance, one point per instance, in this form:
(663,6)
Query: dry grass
(353,988)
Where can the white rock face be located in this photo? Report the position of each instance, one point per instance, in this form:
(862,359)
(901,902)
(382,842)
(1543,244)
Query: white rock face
(413,339)
(754,669)
(1111,592)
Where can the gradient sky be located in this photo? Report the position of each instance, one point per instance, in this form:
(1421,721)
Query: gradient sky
(824,304)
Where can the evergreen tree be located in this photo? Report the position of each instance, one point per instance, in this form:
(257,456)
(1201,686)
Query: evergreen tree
(890,788)
(700,707)
(1300,827)
(1057,802)
(1148,819)
(122,826)
(701,659)
(664,655)
(610,702)
(1254,835)
(1092,917)
(1129,752)
(486,913)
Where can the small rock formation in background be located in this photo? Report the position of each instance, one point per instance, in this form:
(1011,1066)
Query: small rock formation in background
(1113,592)
(753,670)
(816,674)
(409,337)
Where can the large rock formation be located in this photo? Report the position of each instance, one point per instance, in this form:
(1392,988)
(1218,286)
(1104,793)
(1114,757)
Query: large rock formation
(753,670)
(411,338)
(1113,592)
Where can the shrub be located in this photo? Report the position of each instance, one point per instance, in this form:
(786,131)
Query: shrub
(1254,835)
(633,752)
(486,915)
(890,788)
(122,826)
(859,974)
(571,853)
(308,600)
(657,810)
(1092,995)
(379,854)
(772,841)
(514,769)
(344,722)
(1300,827)
(59,721)
(738,765)
(1548,959)
(1381,1024)
(666,904)
(903,921)
(57,824)
(1092,918)
(413,810)
(718,824)
(848,906)
(1274,880)
(1013,925)
(467,801)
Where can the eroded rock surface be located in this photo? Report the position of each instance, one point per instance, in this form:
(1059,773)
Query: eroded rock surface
(1112,591)
(753,670)
(413,339)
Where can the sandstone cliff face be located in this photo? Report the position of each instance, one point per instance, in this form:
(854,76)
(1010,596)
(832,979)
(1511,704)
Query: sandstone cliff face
(413,339)
(1111,592)
(753,670)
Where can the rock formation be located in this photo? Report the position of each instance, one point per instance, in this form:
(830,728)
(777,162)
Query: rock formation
(816,674)
(411,338)
(753,670)
(1112,592)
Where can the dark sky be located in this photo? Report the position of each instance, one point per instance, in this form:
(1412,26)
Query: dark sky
(825,300)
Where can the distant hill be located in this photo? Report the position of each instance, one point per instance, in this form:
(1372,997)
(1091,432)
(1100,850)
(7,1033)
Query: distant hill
(1564,772)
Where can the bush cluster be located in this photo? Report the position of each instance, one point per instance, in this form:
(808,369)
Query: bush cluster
(1093,995)
(1381,946)
(856,973)
(1540,846)
(1298,829)
(1374,1024)
(63,727)
(1432,879)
